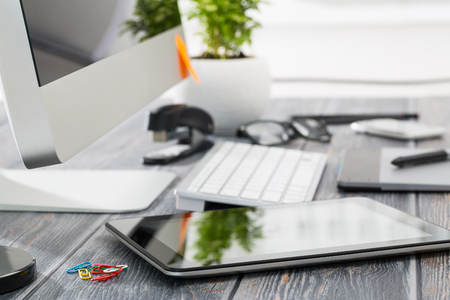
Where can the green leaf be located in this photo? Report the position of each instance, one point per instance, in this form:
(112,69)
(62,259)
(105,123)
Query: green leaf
(226,25)
(153,17)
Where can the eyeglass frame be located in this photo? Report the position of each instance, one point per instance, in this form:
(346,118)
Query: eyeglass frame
(288,126)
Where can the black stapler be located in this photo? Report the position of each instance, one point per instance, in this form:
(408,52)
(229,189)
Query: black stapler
(188,125)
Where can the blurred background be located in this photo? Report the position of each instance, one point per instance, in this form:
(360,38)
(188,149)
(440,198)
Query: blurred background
(351,48)
(324,48)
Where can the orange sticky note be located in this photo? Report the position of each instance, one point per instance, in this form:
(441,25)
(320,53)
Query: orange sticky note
(182,67)
(185,61)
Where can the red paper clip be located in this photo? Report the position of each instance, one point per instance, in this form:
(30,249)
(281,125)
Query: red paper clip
(104,277)
(98,270)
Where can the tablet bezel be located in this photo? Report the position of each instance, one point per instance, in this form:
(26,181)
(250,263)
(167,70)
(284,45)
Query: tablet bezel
(293,259)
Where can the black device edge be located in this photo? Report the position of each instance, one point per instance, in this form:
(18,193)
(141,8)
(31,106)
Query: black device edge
(350,118)
(19,278)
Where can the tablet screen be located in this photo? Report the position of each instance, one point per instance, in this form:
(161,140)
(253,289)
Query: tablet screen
(276,232)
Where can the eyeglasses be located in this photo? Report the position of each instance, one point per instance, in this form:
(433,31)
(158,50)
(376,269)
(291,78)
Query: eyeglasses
(270,133)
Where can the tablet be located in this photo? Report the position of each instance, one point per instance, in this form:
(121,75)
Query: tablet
(280,236)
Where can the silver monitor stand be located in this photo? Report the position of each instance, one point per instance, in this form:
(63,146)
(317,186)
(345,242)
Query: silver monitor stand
(92,191)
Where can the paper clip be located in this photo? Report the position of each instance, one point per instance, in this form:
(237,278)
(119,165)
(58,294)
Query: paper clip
(122,266)
(110,270)
(99,269)
(95,265)
(80,266)
(104,277)
(108,275)
(84,274)
(105,269)
(103,266)
(115,268)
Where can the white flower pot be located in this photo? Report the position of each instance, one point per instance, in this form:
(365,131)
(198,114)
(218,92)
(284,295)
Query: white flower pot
(233,91)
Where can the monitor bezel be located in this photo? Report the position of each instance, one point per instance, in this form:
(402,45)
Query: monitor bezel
(36,113)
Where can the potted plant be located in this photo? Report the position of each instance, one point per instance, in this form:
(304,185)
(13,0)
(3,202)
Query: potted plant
(152,17)
(235,88)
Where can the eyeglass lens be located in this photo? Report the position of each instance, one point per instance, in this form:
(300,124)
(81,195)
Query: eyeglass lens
(312,129)
(267,133)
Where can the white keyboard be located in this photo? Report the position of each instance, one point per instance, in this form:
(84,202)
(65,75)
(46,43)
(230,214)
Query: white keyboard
(251,175)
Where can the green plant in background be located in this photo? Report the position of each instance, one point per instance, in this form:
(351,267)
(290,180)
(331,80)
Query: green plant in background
(218,229)
(153,17)
(226,25)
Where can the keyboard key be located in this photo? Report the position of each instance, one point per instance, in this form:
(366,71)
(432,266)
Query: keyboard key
(306,156)
(301,182)
(235,185)
(212,186)
(192,189)
(293,188)
(293,194)
(230,192)
(248,194)
(255,187)
(291,200)
(196,183)
(210,190)
(271,188)
(272,196)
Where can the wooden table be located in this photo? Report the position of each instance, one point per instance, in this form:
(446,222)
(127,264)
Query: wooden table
(61,240)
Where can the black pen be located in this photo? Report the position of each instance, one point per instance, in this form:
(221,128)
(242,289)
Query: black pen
(424,158)
(346,119)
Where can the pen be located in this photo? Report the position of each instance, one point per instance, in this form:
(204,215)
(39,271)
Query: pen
(345,119)
(424,158)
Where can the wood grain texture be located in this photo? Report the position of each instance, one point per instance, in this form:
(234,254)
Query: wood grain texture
(347,280)
(356,280)
(434,280)
(60,241)
(140,281)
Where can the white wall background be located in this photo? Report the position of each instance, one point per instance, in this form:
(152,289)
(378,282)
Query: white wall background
(372,40)
(2,90)
(381,40)
(295,13)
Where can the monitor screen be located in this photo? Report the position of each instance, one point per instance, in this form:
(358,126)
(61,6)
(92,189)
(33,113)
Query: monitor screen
(66,36)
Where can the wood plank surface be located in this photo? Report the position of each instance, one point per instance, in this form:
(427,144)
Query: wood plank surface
(434,272)
(346,280)
(61,240)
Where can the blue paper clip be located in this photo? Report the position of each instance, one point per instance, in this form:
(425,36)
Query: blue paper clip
(77,267)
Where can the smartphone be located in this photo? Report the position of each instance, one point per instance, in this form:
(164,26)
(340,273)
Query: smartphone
(406,130)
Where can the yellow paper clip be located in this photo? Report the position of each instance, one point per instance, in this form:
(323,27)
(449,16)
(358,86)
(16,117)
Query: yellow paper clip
(84,274)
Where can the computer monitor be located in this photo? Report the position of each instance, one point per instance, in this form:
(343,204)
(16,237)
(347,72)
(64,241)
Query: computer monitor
(99,79)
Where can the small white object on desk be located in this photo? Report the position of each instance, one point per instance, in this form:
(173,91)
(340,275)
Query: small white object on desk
(405,130)
(93,191)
